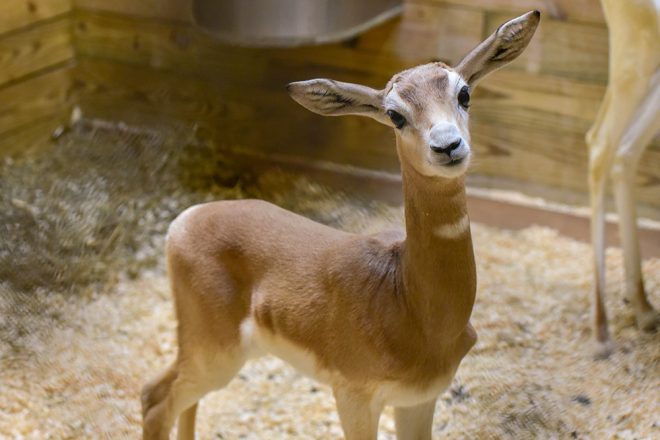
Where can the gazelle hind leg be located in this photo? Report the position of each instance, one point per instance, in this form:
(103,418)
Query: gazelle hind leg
(644,126)
(647,318)
(153,397)
(176,393)
(415,422)
(597,185)
(596,127)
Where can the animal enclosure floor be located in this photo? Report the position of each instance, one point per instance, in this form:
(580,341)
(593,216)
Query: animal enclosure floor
(72,364)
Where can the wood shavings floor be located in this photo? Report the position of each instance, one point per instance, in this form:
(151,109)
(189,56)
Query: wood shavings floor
(72,362)
(531,375)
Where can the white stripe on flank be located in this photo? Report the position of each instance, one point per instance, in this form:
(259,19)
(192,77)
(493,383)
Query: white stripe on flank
(453,230)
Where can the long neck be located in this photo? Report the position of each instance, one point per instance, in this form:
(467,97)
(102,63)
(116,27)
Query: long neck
(438,262)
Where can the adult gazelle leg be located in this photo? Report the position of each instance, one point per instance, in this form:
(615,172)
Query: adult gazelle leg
(414,422)
(596,127)
(638,135)
(598,166)
(616,114)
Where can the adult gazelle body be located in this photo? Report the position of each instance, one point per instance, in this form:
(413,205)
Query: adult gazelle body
(383,318)
(627,120)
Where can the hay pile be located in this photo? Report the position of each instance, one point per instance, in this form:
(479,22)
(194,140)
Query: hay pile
(78,340)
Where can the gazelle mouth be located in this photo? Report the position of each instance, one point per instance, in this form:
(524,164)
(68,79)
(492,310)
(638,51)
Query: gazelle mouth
(454,162)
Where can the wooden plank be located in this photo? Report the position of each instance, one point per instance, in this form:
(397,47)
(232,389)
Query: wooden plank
(179,10)
(185,49)
(32,137)
(15,14)
(508,215)
(529,121)
(182,49)
(524,99)
(266,120)
(554,158)
(512,149)
(427,32)
(573,10)
(371,59)
(563,49)
(35,98)
(588,94)
(529,154)
(376,55)
(174,10)
(34,49)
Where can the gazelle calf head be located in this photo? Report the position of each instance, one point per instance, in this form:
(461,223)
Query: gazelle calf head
(428,104)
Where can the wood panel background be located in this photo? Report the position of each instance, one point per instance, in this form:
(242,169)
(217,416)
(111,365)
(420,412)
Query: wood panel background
(36,60)
(145,63)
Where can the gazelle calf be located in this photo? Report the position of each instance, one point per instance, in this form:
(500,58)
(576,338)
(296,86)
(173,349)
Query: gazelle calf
(384,318)
(627,120)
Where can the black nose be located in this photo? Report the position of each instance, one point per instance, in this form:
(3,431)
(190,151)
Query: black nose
(446,149)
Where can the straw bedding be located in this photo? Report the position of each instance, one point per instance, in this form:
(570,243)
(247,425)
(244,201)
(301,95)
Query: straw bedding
(82,326)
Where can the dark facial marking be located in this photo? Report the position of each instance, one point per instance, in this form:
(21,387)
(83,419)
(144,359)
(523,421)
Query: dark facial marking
(430,83)
(440,81)
(408,92)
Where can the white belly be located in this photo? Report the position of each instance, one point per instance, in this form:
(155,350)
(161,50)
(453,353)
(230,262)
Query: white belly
(257,341)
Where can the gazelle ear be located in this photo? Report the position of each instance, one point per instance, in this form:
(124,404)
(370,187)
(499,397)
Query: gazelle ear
(334,98)
(502,47)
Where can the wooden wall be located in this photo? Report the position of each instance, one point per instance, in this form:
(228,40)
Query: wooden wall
(36,57)
(143,62)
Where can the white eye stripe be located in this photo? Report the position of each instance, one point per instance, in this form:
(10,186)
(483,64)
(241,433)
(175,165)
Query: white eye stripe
(395,102)
(456,80)
(453,230)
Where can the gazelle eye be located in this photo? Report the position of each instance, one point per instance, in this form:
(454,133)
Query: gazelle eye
(398,120)
(464,97)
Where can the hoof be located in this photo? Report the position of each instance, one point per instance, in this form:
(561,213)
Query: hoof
(649,320)
(603,349)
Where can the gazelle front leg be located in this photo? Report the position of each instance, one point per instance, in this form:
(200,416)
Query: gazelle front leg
(640,132)
(358,412)
(414,422)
